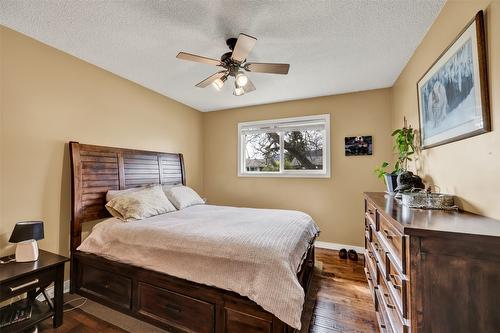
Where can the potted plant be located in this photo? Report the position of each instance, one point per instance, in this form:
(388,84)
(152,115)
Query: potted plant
(404,148)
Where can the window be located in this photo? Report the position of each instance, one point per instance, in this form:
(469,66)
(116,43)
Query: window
(288,147)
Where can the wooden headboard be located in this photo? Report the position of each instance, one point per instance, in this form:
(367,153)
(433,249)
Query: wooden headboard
(97,169)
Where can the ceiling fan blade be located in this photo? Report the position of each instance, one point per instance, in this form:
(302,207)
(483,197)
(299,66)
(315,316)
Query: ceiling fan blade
(248,87)
(197,58)
(211,79)
(267,68)
(244,45)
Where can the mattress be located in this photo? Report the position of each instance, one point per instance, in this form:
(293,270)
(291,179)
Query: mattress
(253,252)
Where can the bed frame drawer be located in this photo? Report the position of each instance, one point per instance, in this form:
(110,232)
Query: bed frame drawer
(237,322)
(109,286)
(178,312)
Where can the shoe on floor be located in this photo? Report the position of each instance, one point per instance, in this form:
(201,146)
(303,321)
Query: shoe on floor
(353,255)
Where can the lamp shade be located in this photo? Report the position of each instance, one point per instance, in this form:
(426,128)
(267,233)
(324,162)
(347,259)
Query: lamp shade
(27,230)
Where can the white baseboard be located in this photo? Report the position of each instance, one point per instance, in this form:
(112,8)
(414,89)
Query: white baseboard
(50,291)
(337,246)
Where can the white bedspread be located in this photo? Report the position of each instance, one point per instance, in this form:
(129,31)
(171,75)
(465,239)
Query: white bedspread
(253,252)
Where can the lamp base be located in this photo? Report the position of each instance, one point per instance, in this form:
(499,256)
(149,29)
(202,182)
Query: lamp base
(27,251)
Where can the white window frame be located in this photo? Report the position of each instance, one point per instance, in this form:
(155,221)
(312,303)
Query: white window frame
(324,173)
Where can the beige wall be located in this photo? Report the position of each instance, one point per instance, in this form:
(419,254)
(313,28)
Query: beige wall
(335,203)
(50,98)
(469,168)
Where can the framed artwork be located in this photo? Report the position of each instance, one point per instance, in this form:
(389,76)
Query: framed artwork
(453,101)
(358,145)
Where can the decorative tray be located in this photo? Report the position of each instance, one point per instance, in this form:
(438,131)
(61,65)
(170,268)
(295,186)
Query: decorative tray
(428,200)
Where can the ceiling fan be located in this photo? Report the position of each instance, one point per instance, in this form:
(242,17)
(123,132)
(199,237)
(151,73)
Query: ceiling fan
(234,63)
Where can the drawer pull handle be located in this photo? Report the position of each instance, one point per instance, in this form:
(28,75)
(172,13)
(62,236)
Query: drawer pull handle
(24,285)
(172,308)
(389,305)
(388,234)
(394,281)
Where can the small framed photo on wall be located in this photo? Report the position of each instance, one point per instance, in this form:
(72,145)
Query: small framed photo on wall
(453,101)
(358,145)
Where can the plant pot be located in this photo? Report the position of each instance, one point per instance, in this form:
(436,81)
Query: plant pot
(391,181)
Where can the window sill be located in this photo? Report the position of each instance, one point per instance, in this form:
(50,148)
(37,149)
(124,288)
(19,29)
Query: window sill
(283,175)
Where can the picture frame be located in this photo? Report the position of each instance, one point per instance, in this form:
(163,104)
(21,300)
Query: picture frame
(358,145)
(453,94)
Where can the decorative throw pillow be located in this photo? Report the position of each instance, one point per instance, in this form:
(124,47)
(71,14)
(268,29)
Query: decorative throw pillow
(165,188)
(111,194)
(138,205)
(183,197)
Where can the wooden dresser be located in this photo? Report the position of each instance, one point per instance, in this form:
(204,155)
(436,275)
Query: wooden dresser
(430,270)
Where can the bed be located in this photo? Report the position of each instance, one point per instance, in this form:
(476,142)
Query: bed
(167,295)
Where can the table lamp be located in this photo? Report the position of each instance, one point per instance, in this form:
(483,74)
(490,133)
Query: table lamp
(25,234)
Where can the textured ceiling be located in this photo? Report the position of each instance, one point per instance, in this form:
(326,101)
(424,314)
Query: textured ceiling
(332,46)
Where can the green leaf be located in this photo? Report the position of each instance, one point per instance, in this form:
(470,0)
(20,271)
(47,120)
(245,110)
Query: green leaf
(396,132)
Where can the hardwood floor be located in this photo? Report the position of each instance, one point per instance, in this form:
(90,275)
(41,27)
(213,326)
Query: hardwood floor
(78,321)
(344,303)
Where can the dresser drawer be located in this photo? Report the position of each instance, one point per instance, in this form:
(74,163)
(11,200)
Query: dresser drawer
(368,228)
(381,314)
(398,286)
(371,262)
(371,284)
(394,316)
(181,312)
(111,287)
(394,239)
(379,252)
(371,213)
(29,282)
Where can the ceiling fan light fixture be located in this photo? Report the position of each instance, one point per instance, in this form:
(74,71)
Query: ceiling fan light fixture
(234,64)
(238,91)
(241,79)
(219,83)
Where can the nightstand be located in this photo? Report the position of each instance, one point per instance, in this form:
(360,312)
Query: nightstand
(33,278)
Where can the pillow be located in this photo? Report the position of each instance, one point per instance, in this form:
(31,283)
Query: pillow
(111,194)
(137,205)
(183,197)
(165,188)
